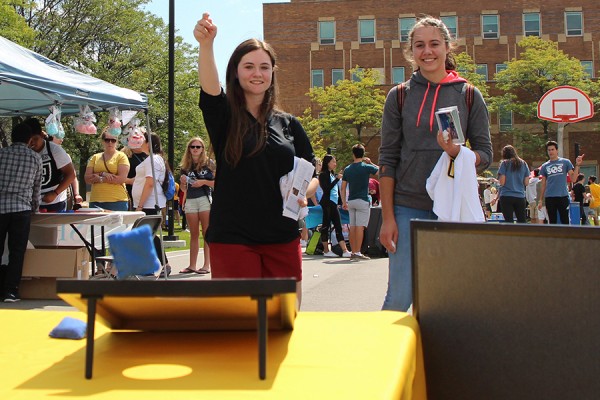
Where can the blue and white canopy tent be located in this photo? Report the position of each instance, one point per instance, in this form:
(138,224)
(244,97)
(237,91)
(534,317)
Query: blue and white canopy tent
(30,84)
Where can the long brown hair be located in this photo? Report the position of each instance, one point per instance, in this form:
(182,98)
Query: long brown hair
(187,162)
(428,20)
(509,154)
(239,123)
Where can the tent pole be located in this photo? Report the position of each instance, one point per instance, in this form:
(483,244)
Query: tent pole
(155,191)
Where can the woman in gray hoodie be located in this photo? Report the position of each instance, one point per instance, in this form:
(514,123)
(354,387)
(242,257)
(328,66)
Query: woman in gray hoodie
(411,145)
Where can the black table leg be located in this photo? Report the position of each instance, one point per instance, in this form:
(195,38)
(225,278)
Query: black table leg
(89,346)
(262,336)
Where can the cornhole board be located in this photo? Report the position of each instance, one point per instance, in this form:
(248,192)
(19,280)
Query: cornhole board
(159,305)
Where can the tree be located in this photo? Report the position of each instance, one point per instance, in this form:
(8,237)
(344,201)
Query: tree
(12,25)
(468,70)
(121,43)
(540,67)
(346,109)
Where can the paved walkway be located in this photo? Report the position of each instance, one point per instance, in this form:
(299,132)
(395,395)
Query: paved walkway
(329,284)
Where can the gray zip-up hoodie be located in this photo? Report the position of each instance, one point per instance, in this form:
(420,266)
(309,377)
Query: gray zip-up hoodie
(409,148)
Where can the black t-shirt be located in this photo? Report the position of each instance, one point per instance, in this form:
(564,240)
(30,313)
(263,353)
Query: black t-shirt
(247,203)
(204,173)
(578,191)
(135,160)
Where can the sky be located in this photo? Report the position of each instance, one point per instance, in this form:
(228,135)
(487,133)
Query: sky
(236,20)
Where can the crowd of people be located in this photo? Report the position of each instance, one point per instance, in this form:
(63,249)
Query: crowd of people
(255,144)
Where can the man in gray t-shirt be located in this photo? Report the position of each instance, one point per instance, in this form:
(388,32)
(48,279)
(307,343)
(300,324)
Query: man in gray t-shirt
(357,202)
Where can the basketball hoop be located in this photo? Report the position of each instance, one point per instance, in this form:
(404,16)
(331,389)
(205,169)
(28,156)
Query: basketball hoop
(565,118)
(565,104)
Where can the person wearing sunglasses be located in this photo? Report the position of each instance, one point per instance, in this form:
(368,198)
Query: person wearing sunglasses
(107,172)
(197,181)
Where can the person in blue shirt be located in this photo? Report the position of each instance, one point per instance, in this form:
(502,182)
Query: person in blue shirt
(513,176)
(554,189)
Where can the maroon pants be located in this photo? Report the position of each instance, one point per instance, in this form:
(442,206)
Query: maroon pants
(282,260)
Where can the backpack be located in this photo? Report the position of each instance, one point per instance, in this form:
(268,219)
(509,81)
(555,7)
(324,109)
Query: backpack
(168,186)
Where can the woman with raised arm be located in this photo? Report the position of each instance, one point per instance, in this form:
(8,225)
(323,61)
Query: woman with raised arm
(255,144)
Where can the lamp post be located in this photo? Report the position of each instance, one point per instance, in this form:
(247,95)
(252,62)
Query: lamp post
(171,124)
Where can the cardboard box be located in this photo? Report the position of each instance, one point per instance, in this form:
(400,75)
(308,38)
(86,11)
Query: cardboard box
(43,266)
(57,262)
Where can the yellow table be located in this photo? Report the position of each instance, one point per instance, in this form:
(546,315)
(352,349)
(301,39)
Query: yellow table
(358,355)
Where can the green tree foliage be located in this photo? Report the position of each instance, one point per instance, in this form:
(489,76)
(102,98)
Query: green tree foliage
(345,110)
(12,26)
(468,70)
(539,67)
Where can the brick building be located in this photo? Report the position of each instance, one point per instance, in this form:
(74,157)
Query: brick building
(319,41)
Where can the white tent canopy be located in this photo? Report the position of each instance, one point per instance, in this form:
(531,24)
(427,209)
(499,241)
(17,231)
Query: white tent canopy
(30,83)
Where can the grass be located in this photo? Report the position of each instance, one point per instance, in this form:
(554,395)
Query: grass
(182,235)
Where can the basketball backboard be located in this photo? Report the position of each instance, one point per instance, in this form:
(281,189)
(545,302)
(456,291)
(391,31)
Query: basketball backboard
(565,104)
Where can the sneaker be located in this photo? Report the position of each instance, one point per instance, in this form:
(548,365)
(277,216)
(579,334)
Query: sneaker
(330,254)
(359,256)
(303,243)
(347,254)
(11,298)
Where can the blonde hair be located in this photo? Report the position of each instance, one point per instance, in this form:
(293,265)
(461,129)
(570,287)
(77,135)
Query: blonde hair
(187,162)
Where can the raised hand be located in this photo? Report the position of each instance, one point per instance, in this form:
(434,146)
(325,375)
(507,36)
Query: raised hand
(205,31)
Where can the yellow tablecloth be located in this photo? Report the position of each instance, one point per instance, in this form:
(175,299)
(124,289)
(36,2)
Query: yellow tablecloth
(367,355)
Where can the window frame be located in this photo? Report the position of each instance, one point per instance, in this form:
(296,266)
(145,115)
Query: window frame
(488,35)
(588,65)
(573,13)
(502,127)
(338,70)
(321,39)
(312,78)
(400,30)
(394,69)
(453,35)
(487,72)
(539,23)
(354,77)
(366,39)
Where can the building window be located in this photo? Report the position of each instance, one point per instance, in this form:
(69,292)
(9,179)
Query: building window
(406,25)
(366,29)
(574,23)
(337,75)
(397,75)
(451,24)
(482,70)
(317,78)
(500,67)
(505,120)
(490,27)
(588,68)
(531,24)
(355,74)
(327,32)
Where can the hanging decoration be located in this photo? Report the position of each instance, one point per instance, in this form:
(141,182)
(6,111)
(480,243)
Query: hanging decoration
(84,122)
(114,121)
